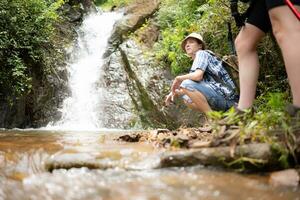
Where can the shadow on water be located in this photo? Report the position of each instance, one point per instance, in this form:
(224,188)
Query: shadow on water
(92,165)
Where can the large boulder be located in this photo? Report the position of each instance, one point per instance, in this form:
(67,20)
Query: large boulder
(134,86)
(134,17)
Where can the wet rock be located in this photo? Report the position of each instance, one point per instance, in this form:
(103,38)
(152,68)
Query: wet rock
(199,144)
(130,138)
(222,150)
(135,16)
(256,155)
(289,177)
(158,134)
(148,35)
(74,160)
(181,138)
(157,131)
(102,159)
(118,105)
(175,142)
(13,116)
(206,128)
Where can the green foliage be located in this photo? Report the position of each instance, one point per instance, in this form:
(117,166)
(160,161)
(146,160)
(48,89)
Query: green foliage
(244,163)
(272,101)
(283,155)
(178,18)
(26,31)
(269,116)
(213,25)
(272,77)
(99,2)
(269,124)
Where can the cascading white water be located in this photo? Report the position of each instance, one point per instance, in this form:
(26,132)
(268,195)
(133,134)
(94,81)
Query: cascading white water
(82,110)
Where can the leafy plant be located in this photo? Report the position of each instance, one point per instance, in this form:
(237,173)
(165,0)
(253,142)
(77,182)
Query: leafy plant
(269,124)
(176,19)
(210,17)
(26,33)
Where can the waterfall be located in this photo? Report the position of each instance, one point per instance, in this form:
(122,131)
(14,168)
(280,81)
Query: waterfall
(82,110)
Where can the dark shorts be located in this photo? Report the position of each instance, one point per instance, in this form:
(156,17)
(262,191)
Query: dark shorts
(258,12)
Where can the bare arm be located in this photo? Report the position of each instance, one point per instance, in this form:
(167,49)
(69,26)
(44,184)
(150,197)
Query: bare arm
(195,76)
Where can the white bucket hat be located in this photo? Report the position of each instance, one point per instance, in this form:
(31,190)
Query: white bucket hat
(193,35)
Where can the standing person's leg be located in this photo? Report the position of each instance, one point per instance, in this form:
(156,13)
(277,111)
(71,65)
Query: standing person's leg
(258,23)
(286,29)
(246,43)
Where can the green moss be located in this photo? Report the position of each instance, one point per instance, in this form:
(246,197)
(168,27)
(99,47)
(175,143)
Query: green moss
(282,154)
(245,163)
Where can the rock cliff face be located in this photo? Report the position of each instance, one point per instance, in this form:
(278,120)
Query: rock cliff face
(134,90)
(40,106)
(135,83)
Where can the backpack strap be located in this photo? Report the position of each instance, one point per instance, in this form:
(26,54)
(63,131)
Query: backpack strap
(240,18)
(225,64)
(230,39)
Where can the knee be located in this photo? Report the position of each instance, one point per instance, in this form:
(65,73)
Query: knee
(285,34)
(188,85)
(279,35)
(278,30)
(285,30)
(244,45)
(192,96)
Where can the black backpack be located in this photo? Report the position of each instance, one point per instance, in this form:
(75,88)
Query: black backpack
(239,17)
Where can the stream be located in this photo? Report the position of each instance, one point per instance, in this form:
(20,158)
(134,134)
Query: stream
(125,171)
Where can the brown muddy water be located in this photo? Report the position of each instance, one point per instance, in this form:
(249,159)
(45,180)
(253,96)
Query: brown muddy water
(56,165)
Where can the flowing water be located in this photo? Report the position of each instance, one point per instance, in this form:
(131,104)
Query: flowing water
(125,171)
(90,164)
(83,110)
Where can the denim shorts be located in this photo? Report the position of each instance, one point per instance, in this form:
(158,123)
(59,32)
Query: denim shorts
(216,100)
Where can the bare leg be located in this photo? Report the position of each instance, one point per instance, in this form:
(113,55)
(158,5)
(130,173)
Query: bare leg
(286,29)
(246,43)
(199,101)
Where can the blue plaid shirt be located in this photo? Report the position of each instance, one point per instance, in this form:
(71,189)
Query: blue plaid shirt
(210,64)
